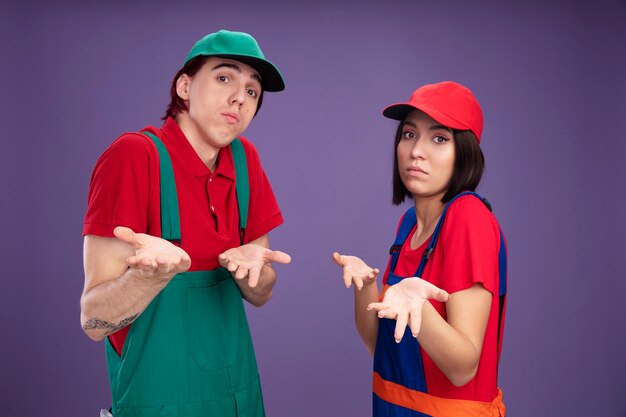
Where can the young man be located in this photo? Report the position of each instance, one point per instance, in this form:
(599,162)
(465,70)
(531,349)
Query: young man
(176,233)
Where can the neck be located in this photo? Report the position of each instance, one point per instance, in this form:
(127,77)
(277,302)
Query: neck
(207,153)
(427,210)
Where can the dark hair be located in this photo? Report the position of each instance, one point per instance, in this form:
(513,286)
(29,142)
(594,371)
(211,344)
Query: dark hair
(177,105)
(469,164)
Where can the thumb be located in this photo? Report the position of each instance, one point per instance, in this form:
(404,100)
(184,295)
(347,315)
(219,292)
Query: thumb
(278,256)
(337,258)
(127,235)
(440,295)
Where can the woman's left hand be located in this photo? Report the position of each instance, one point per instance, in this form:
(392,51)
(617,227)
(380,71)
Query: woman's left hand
(403,302)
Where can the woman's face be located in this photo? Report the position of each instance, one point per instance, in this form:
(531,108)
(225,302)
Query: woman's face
(425,155)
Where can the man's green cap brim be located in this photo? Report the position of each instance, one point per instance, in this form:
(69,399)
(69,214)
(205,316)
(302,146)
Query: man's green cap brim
(241,47)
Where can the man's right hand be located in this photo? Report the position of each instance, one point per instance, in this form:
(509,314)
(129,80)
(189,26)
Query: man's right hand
(154,258)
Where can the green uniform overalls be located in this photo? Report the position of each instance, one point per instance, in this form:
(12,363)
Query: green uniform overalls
(190,353)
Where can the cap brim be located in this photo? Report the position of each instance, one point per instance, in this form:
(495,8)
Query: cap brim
(400,110)
(271,79)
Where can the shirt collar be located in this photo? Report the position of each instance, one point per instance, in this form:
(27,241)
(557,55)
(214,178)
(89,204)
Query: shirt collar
(179,142)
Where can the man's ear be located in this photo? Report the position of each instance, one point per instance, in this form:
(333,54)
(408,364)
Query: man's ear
(183,85)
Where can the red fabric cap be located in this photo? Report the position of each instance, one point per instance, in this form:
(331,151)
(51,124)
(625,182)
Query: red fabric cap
(449,103)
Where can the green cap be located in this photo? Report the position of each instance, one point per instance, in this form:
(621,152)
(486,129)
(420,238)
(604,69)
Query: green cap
(241,47)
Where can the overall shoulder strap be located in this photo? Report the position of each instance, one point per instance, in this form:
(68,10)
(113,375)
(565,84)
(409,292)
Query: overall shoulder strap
(408,221)
(242,185)
(170,217)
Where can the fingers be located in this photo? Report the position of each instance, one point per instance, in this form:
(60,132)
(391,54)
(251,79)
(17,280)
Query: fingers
(159,265)
(146,266)
(254,274)
(278,256)
(223,260)
(372,275)
(383,309)
(354,271)
(227,262)
(185,263)
(238,270)
(231,266)
(361,281)
(415,321)
(347,278)
(401,322)
(127,235)
(358,282)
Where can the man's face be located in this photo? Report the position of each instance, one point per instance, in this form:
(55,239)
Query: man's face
(222,99)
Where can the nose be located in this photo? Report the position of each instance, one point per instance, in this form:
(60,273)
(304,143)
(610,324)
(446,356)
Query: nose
(417,151)
(238,95)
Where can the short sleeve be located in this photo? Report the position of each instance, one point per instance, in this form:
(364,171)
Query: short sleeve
(122,182)
(264,213)
(469,242)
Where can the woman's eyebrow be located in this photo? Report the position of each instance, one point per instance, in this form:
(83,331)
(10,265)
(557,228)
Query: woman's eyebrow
(440,127)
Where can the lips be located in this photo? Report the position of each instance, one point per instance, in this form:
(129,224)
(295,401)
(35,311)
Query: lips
(231,117)
(415,171)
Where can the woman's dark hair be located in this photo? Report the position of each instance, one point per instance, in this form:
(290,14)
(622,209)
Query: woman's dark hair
(177,105)
(469,164)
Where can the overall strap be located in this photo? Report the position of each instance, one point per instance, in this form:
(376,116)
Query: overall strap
(242,185)
(408,221)
(170,217)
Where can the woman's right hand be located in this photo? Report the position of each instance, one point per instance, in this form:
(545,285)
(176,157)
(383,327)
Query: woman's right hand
(404,301)
(355,271)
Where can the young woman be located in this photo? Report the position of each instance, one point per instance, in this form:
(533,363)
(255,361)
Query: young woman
(446,279)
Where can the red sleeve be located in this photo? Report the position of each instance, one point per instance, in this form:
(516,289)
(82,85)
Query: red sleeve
(469,242)
(263,213)
(123,181)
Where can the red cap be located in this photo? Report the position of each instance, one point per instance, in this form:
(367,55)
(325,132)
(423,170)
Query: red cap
(449,103)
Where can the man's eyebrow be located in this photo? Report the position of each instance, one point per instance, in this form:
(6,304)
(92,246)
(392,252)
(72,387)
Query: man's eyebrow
(236,68)
(227,65)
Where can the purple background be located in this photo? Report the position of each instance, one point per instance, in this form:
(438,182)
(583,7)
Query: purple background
(549,75)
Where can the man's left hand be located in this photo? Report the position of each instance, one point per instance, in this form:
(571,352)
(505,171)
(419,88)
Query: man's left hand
(247,261)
